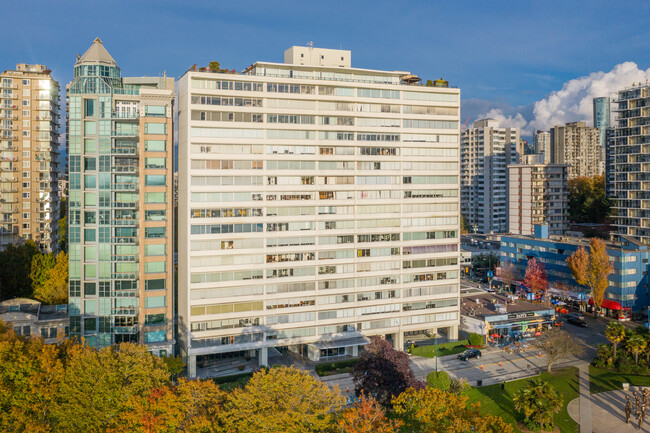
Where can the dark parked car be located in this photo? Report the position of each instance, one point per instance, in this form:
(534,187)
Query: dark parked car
(577,322)
(575,316)
(470,353)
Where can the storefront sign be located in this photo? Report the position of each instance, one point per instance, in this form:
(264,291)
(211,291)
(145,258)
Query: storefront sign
(521,315)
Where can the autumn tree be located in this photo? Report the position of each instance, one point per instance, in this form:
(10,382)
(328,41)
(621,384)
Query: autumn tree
(615,333)
(508,273)
(383,372)
(366,416)
(16,263)
(282,399)
(556,344)
(432,410)
(214,66)
(538,401)
(49,275)
(591,269)
(535,277)
(190,406)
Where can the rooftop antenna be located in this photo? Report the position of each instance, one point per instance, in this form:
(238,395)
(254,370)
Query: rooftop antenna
(310,44)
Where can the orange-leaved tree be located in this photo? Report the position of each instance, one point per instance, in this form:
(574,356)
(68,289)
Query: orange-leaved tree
(535,277)
(591,269)
(366,416)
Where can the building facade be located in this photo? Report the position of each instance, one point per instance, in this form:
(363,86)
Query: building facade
(577,145)
(30,318)
(542,145)
(29,142)
(602,118)
(629,163)
(628,284)
(318,204)
(537,194)
(120,145)
(486,151)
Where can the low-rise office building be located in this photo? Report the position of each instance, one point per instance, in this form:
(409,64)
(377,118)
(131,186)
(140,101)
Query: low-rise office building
(499,316)
(628,284)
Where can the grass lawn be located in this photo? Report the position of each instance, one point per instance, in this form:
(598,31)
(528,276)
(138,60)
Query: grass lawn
(498,402)
(444,349)
(602,380)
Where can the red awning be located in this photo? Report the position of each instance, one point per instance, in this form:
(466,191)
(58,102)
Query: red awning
(610,305)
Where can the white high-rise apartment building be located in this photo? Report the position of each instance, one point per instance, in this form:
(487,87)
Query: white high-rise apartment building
(318,204)
(577,145)
(486,151)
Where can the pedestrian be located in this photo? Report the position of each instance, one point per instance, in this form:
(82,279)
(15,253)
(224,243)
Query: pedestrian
(503,384)
(643,409)
(641,419)
(528,368)
(637,400)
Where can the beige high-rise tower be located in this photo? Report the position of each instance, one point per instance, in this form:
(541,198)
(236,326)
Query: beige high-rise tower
(577,145)
(29,202)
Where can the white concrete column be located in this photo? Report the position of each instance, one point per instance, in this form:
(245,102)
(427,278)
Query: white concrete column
(452,332)
(191,366)
(263,356)
(355,350)
(398,340)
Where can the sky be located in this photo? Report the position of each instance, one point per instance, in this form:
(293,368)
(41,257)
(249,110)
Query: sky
(526,63)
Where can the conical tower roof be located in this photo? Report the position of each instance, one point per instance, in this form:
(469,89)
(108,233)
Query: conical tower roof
(97,54)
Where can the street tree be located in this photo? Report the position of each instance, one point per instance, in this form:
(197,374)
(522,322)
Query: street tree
(282,399)
(366,416)
(383,372)
(615,333)
(432,410)
(508,273)
(49,277)
(587,200)
(591,269)
(556,344)
(535,277)
(636,344)
(16,263)
(538,401)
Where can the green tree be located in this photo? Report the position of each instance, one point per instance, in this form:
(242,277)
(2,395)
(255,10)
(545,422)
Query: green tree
(587,200)
(556,344)
(615,333)
(49,277)
(16,263)
(439,380)
(538,401)
(282,399)
(432,410)
(475,339)
(215,66)
(636,344)
(485,261)
(63,226)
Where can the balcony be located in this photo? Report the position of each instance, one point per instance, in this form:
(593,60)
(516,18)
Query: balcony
(8,190)
(125,329)
(125,223)
(124,276)
(126,116)
(125,241)
(8,137)
(10,210)
(6,85)
(124,311)
(8,116)
(124,205)
(8,169)
(124,169)
(124,133)
(126,150)
(8,96)
(8,148)
(128,259)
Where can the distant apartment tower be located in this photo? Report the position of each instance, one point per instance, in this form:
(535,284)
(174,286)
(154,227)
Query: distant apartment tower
(318,204)
(602,118)
(29,142)
(577,145)
(538,194)
(120,144)
(486,151)
(629,163)
(542,145)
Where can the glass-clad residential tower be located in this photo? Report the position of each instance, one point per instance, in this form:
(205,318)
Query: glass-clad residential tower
(120,144)
(602,118)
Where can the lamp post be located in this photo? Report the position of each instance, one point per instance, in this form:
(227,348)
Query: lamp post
(435,340)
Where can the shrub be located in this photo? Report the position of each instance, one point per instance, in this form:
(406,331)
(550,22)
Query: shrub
(439,380)
(475,339)
(459,386)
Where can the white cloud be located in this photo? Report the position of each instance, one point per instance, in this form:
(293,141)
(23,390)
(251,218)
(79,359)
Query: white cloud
(574,102)
(515,121)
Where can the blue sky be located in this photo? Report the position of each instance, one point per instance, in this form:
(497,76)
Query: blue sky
(504,54)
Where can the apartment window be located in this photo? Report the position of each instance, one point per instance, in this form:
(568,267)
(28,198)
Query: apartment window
(155,180)
(90,128)
(155,215)
(89,108)
(155,110)
(155,163)
(155,267)
(155,232)
(155,336)
(154,145)
(155,197)
(155,302)
(155,250)
(155,128)
(90,289)
(155,284)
